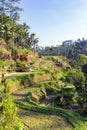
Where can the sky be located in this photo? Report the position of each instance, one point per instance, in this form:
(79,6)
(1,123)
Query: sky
(54,21)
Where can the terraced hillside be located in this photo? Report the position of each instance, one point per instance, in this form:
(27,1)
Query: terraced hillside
(35,99)
(29,118)
(44,96)
(41,88)
(38,121)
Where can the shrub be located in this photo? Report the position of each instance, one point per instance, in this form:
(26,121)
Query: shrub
(9,119)
(65,96)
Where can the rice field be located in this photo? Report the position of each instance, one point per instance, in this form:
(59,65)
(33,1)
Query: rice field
(38,121)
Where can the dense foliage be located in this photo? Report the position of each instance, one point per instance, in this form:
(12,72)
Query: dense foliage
(9,119)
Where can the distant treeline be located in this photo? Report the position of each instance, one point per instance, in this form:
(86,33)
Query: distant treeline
(68,48)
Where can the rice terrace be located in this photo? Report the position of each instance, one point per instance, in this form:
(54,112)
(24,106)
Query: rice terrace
(41,87)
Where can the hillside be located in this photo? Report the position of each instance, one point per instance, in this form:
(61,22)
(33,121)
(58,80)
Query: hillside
(31,93)
(38,121)
(43,85)
(50,89)
(40,88)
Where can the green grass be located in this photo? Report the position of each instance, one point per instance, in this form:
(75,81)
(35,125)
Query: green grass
(39,92)
(73,118)
(61,59)
(16,82)
(40,121)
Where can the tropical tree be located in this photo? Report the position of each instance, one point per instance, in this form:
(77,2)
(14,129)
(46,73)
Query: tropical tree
(8,17)
(10,8)
(7,29)
(84,69)
(77,78)
(22,35)
(33,42)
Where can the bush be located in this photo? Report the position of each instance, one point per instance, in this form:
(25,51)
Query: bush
(9,119)
(76,77)
(21,66)
(65,96)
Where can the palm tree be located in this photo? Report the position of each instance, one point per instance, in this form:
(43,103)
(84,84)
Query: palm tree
(33,42)
(22,35)
(6,28)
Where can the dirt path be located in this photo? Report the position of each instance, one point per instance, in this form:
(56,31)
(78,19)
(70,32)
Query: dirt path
(9,75)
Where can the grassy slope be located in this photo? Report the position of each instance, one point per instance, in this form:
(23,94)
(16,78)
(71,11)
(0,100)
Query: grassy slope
(72,119)
(38,121)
